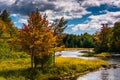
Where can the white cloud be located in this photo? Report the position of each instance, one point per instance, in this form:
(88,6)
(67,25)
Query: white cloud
(54,9)
(22,21)
(7,2)
(80,27)
(111,2)
(75,28)
(88,3)
(14,15)
(96,20)
(69,9)
(87,27)
(109,17)
(71,25)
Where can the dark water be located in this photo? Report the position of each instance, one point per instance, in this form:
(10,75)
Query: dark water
(102,74)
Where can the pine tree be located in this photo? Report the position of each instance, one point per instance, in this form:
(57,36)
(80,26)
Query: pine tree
(10,31)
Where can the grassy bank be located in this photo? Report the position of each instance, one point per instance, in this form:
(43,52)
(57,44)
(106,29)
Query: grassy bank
(78,48)
(19,68)
(103,54)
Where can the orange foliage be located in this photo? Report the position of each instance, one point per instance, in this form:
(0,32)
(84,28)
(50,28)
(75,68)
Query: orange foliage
(2,27)
(37,36)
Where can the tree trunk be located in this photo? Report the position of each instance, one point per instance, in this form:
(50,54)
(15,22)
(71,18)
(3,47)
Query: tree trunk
(32,58)
(54,58)
(42,63)
(32,65)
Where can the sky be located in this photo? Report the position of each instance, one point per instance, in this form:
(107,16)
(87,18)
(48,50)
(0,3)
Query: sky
(82,15)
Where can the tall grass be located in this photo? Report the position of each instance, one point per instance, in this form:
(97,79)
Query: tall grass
(103,54)
(78,48)
(19,68)
(79,65)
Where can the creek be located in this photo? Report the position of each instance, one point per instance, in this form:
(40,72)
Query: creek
(101,74)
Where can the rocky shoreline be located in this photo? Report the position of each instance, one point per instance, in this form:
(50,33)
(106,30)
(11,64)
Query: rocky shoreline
(114,66)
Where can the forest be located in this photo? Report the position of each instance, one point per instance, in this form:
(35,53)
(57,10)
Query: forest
(38,40)
(79,41)
(106,40)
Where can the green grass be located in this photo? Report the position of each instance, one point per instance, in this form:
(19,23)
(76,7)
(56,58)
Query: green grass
(78,48)
(103,54)
(19,68)
(79,65)
(2,78)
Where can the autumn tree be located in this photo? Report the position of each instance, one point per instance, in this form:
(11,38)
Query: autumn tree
(2,46)
(115,46)
(103,39)
(58,28)
(2,27)
(37,38)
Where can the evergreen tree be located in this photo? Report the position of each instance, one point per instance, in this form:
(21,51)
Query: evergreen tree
(5,16)
(74,41)
(10,31)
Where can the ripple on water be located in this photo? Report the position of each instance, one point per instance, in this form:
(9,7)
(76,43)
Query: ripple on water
(109,74)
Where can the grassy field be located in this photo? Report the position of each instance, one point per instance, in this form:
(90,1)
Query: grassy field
(19,68)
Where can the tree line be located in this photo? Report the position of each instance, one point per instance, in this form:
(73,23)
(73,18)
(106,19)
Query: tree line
(108,39)
(79,41)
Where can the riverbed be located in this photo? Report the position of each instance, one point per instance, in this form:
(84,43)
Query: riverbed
(101,74)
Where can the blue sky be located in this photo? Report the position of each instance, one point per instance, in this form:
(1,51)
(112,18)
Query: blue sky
(82,15)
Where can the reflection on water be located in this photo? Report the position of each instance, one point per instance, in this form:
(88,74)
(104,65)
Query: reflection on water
(74,53)
(110,74)
(104,74)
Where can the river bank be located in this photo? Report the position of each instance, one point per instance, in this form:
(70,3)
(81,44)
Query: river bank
(64,49)
(65,68)
(73,67)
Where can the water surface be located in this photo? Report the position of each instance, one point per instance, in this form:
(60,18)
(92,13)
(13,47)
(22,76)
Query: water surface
(102,74)
(74,53)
